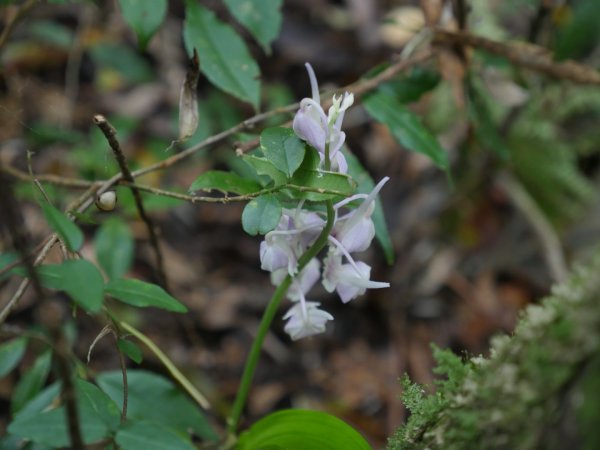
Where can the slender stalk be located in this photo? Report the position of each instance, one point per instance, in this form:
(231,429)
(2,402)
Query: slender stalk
(271,310)
(173,370)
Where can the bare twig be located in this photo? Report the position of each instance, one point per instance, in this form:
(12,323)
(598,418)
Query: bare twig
(18,236)
(111,136)
(12,21)
(526,55)
(549,240)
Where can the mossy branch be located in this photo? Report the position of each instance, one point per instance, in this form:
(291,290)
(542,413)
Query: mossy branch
(515,399)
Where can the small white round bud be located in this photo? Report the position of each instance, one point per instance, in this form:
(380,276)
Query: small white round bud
(106,201)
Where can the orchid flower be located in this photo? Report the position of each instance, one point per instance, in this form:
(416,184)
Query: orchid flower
(305,319)
(312,125)
(283,246)
(348,280)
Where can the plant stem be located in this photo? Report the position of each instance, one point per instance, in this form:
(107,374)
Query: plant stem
(173,370)
(267,319)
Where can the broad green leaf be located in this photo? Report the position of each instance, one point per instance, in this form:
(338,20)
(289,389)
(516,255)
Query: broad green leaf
(98,415)
(365,186)
(66,229)
(224,58)
(114,247)
(131,350)
(141,295)
(125,61)
(32,381)
(406,127)
(78,278)
(283,148)
(150,436)
(261,18)
(144,17)
(167,405)
(224,182)
(11,353)
(263,166)
(261,215)
(301,430)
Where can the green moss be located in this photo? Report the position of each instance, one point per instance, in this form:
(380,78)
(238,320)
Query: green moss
(515,398)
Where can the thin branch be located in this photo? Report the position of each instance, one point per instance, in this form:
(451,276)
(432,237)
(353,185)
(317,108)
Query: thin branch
(173,370)
(553,252)
(111,136)
(20,12)
(526,55)
(18,236)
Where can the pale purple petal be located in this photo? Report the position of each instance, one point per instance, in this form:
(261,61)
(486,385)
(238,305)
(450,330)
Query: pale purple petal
(305,319)
(314,86)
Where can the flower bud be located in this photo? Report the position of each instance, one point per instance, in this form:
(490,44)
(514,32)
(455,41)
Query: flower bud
(106,201)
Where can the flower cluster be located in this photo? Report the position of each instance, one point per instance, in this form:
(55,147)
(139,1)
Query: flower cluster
(298,229)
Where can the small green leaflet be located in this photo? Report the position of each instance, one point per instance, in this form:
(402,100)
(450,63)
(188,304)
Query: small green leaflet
(114,247)
(262,18)
(224,57)
(144,17)
(131,350)
(301,430)
(11,353)
(224,182)
(283,148)
(261,215)
(70,233)
(263,166)
(78,278)
(31,383)
(405,126)
(141,294)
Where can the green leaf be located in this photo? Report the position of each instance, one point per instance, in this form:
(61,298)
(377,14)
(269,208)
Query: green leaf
(141,295)
(78,278)
(261,215)
(263,166)
(150,436)
(144,17)
(6,259)
(104,408)
(166,405)
(114,247)
(283,148)
(42,401)
(32,381)
(365,186)
(66,229)
(131,350)
(581,32)
(11,353)
(406,127)
(261,18)
(224,182)
(224,58)
(98,415)
(301,430)
(339,183)
(410,88)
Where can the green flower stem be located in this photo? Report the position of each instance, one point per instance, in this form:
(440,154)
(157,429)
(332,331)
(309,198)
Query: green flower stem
(267,319)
